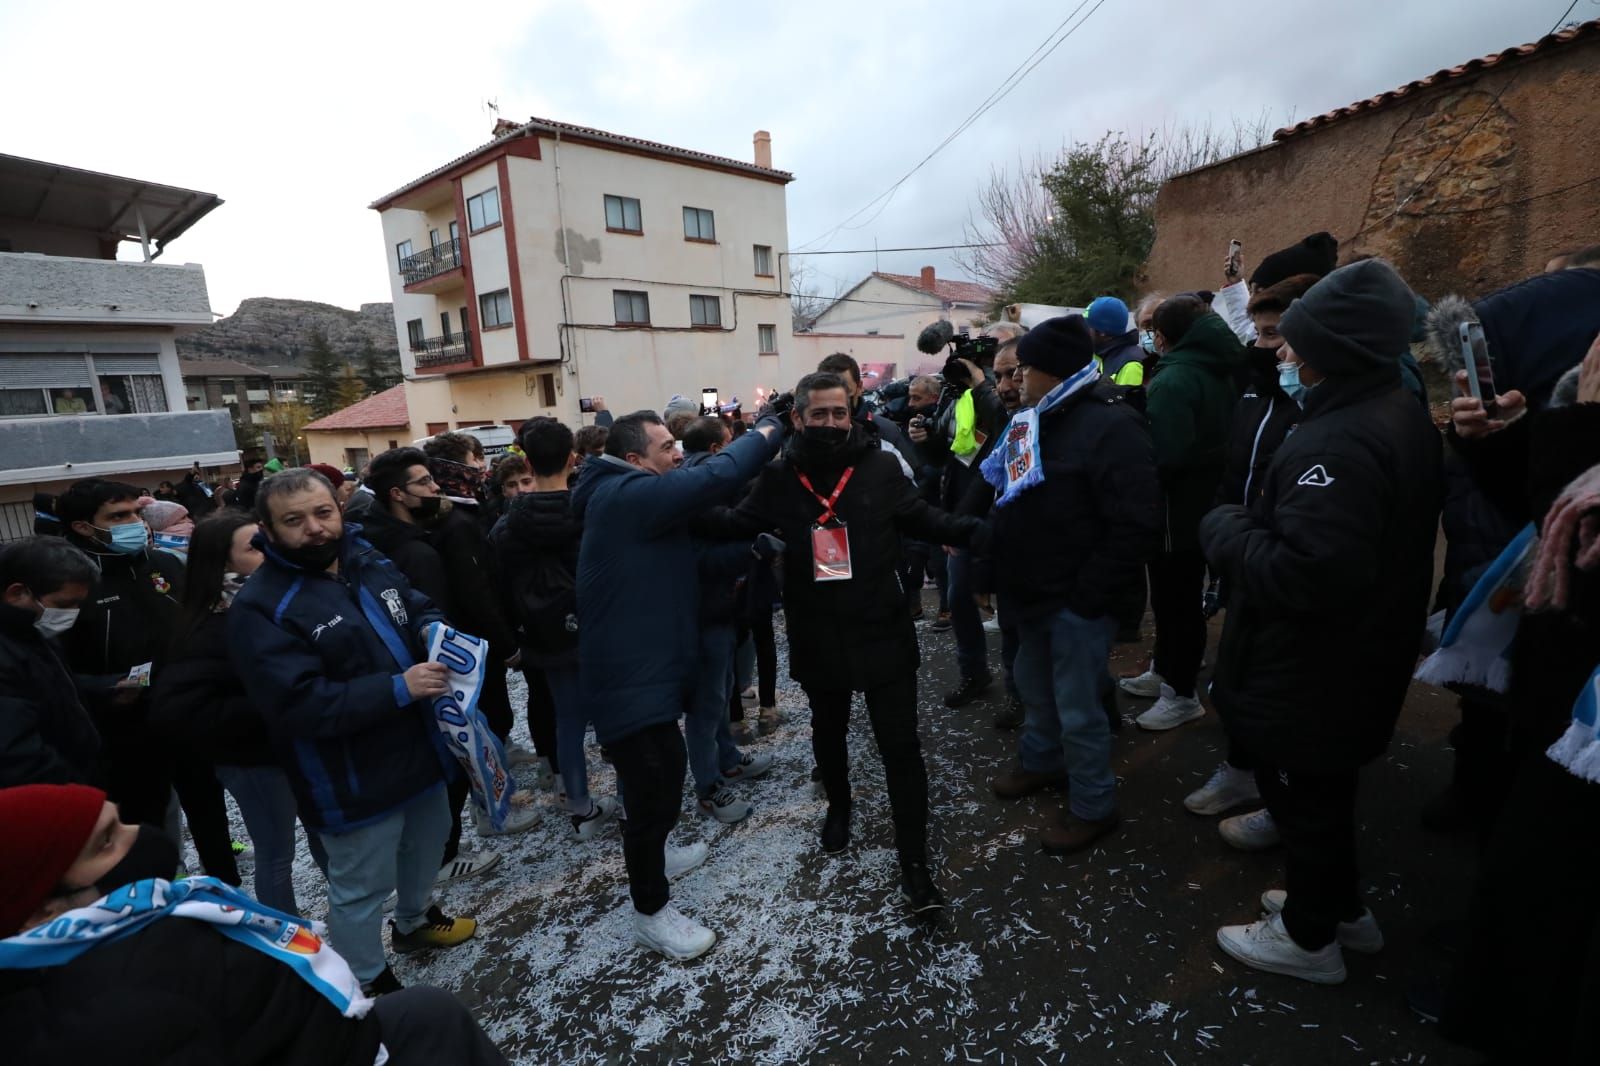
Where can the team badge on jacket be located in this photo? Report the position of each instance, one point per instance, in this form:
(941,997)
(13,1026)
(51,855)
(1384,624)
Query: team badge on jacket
(397,609)
(162,585)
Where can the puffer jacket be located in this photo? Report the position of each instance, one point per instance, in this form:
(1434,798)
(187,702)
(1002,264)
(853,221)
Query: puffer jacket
(1262,419)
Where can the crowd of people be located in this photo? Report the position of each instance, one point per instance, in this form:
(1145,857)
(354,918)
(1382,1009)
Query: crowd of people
(1265,450)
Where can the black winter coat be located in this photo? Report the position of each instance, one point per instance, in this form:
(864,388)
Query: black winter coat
(536,544)
(46,736)
(407,546)
(1330,573)
(1262,419)
(177,993)
(1080,539)
(200,703)
(854,634)
(475,603)
(130,617)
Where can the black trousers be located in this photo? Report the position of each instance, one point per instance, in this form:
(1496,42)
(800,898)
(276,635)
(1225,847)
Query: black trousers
(1316,816)
(650,766)
(494,700)
(541,715)
(766,656)
(425,1026)
(893,711)
(200,796)
(1177,582)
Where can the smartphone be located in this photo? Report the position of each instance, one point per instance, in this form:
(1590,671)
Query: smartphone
(1480,373)
(586,405)
(709,401)
(1235,258)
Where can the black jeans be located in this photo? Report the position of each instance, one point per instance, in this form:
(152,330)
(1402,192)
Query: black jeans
(456,793)
(650,766)
(494,700)
(200,796)
(766,656)
(893,711)
(426,1026)
(1177,581)
(541,715)
(1316,816)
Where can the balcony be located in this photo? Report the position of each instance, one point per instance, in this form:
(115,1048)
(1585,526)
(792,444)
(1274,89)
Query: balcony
(68,447)
(433,269)
(51,289)
(434,353)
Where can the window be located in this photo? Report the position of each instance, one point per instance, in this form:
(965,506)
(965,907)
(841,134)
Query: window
(767,339)
(699,224)
(632,308)
(494,308)
(414,333)
(705,311)
(764,260)
(622,215)
(402,252)
(483,210)
(465,321)
(436,428)
(62,385)
(455,231)
(433,238)
(355,459)
(547,389)
(444,325)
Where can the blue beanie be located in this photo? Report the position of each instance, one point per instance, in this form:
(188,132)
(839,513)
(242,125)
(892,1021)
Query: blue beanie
(1108,315)
(1059,346)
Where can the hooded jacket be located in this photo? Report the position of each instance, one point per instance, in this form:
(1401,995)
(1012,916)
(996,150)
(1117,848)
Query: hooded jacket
(1190,404)
(325,654)
(1263,417)
(536,542)
(639,582)
(407,546)
(1330,569)
(127,620)
(46,736)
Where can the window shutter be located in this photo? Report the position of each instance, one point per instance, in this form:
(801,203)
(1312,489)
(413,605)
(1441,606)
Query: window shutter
(127,364)
(44,372)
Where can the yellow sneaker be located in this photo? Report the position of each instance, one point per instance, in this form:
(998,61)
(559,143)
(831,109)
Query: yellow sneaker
(439,932)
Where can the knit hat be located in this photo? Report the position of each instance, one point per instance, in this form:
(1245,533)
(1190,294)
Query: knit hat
(680,405)
(1108,315)
(42,831)
(1059,346)
(334,475)
(1316,254)
(163,514)
(1354,320)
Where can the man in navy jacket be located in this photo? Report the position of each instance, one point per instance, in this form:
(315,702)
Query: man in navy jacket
(329,639)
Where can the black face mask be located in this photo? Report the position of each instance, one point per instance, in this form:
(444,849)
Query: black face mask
(313,557)
(427,508)
(153,855)
(825,440)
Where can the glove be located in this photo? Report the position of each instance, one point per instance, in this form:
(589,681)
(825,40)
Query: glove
(767,547)
(778,407)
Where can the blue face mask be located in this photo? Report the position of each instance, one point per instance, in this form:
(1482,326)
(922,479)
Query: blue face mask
(1289,382)
(1147,340)
(130,538)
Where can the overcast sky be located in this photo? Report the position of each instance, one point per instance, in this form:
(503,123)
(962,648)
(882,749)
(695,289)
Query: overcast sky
(299,115)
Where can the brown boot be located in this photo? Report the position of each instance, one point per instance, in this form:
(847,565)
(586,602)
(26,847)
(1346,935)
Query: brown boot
(1074,834)
(1017,782)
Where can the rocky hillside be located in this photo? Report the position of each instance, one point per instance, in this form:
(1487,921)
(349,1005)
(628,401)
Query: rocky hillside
(276,332)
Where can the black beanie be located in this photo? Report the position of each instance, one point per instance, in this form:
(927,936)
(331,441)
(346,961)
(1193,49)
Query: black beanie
(1316,254)
(1354,320)
(1059,346)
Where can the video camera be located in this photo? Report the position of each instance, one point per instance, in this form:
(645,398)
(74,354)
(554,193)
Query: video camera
(980,351)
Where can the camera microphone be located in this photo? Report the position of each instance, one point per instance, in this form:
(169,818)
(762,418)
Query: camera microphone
(936,337)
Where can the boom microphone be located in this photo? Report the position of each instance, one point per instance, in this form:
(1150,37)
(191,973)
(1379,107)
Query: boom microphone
(936,337)
(1443,330)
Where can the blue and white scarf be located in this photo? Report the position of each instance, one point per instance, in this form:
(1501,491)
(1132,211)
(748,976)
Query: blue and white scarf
(1476,646)
(465,730)
(1015,465)
(1578,750)
(293,941)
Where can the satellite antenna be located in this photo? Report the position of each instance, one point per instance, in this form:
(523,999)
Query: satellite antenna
(492,105)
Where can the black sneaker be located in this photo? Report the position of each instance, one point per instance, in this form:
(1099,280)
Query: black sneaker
(969,689)
(836,829)
(818,789)
(916,888)
(1013,715)
(382,984)
(941,624)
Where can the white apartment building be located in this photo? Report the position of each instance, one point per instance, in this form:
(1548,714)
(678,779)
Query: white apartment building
(902,305)
(557,262)
(90,383)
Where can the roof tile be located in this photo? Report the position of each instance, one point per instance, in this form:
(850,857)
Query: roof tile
(960,292)
(385,410)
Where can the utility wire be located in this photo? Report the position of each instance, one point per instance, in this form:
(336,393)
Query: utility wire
(917,248)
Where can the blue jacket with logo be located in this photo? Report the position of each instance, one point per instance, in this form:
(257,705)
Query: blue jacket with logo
(322,657)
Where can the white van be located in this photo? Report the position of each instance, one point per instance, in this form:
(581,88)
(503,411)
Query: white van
(495,439)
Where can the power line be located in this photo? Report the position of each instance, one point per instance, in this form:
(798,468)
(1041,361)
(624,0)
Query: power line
(917,248)
(1000,92)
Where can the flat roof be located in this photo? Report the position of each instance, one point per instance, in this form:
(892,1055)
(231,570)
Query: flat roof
(105,204)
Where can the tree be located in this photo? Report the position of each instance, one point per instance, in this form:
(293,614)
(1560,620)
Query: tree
(350,390)
(286,420)
(323,371)
(806,301)
(380,370)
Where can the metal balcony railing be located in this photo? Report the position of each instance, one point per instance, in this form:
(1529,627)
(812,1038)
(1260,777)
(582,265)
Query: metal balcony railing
(442,351)
(431,261)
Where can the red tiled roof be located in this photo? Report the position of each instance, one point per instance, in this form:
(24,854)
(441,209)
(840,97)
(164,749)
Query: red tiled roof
(386,410)
(1470,67)
(956,292)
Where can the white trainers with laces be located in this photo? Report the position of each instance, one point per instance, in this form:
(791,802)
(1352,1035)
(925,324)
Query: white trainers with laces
(587,826)
(681,860)
(1266,945)
(1361,935)
(750,767)
(1256,831)
(1170,711)
(518,820)
(1228,787)
(1147,686)
(465,864)
(724,806)
(672,934)
(748,696)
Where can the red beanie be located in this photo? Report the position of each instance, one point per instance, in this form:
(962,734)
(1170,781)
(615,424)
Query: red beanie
(42,831)
(333,475)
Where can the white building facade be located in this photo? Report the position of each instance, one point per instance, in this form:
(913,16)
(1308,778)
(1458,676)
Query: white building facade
(901,306)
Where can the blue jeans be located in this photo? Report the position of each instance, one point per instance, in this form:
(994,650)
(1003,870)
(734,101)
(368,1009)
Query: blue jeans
(972,650)
(268,807)
(571,724)
(1059,662)
(399,852)
(705,729)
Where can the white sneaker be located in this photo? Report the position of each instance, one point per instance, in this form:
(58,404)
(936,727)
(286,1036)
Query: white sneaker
(1362,935)
(1266,945)
(750,767)
(724,806)
(465,864)
(518,820)
(672,934)
(748,697)
(587,826)
(1147,686)
(681,860)
(992,625)
(1228,787)
(1170,711)
(517,755)
(1256,831)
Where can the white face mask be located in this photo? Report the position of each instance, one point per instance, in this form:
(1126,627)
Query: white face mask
(56,620)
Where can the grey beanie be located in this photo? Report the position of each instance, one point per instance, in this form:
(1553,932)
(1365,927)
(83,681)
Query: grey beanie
(1355,320)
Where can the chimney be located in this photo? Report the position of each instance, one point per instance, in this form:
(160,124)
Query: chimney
(928,282)
(503,127)
(763,149)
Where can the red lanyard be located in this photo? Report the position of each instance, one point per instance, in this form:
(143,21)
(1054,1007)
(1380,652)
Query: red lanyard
(827,504)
